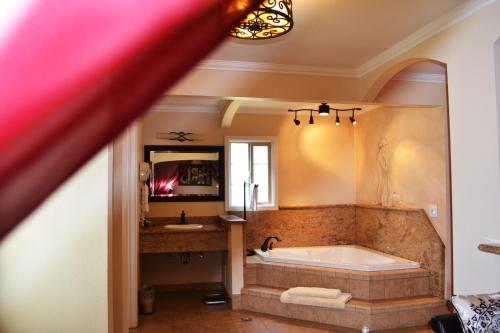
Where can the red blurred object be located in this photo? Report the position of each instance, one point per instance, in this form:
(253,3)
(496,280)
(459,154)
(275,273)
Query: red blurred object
(74,74)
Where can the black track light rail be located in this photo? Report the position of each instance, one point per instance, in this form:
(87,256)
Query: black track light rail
(324,110)
(331,109)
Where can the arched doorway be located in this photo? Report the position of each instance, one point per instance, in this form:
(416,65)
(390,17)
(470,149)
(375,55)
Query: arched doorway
(422,83)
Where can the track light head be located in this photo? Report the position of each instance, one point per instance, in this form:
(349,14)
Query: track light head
(324,109)
(295,120)
(311,119)
(352,119)
(337,119)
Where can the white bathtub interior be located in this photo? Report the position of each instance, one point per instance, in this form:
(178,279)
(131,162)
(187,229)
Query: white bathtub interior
(353,257)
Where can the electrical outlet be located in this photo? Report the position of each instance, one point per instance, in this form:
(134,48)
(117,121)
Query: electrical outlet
(433,210)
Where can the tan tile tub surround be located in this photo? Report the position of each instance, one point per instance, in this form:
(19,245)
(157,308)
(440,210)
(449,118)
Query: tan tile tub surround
(404,232)
(330,225)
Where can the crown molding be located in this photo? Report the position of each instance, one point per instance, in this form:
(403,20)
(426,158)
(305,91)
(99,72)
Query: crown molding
(431,29)
(441,23)
(184,108)
(264,111)
(263,67)
(420,77)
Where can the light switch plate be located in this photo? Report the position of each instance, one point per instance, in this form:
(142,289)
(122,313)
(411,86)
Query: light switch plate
(433,210)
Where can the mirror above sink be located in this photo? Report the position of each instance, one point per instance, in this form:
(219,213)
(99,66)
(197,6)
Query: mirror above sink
(185,173)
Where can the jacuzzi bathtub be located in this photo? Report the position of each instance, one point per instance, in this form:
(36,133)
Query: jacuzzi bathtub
(352,257)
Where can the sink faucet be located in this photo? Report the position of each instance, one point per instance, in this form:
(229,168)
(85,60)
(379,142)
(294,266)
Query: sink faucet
(267,245)
(183,218)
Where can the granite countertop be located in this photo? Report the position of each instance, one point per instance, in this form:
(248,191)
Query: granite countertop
(490,248)
(232,219)
(210,224)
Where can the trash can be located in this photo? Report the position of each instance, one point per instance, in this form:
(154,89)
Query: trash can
(147,299)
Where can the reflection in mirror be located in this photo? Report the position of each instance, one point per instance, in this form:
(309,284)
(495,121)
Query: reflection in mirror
(185,173)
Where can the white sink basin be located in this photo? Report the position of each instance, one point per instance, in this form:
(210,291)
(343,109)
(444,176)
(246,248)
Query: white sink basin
(183,226)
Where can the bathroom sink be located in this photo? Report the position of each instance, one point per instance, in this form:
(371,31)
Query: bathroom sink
(183,226)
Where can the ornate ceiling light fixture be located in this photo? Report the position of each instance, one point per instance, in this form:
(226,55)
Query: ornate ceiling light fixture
(271,19)
(324,110)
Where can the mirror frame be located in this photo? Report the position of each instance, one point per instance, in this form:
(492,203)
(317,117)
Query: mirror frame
(205,149)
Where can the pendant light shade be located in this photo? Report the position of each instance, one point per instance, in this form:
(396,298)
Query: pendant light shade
(273,18)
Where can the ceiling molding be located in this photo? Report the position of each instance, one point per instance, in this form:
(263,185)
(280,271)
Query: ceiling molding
(227,113)
(433,28)
(441,23)
(421,77)
(184,108)
(262,67)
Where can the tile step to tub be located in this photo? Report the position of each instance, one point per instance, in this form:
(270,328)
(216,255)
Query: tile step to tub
(363,285)
(377,315)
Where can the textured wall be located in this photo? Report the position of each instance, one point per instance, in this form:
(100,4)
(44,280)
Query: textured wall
(414,154)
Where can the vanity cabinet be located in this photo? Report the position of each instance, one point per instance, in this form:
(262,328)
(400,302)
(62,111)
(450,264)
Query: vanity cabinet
(158,239)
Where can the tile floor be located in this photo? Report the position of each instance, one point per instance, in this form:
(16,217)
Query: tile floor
(183,312)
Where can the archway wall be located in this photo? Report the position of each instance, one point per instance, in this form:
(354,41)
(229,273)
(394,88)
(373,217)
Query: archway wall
(467,48)
(403,92)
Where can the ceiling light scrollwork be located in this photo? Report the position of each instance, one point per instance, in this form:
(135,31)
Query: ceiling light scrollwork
(272,18)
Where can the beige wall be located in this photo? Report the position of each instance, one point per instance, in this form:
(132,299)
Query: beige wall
(415,154)
(315,163)
(467,49)
(53,267)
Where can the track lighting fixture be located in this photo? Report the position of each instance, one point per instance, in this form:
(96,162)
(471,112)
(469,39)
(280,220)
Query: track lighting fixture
(324,110)
(296,121)
(352,119)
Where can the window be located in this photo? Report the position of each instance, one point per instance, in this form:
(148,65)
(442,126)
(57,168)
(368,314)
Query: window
(251,160)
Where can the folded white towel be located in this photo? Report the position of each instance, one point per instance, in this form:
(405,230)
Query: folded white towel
(335,303)
(315,292)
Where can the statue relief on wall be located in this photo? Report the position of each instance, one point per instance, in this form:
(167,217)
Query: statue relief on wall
(383,191)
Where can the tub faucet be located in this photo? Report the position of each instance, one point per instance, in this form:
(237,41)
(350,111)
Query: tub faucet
(267,245)
(183,218)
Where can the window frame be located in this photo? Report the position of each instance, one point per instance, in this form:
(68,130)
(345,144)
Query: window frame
(273,169)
